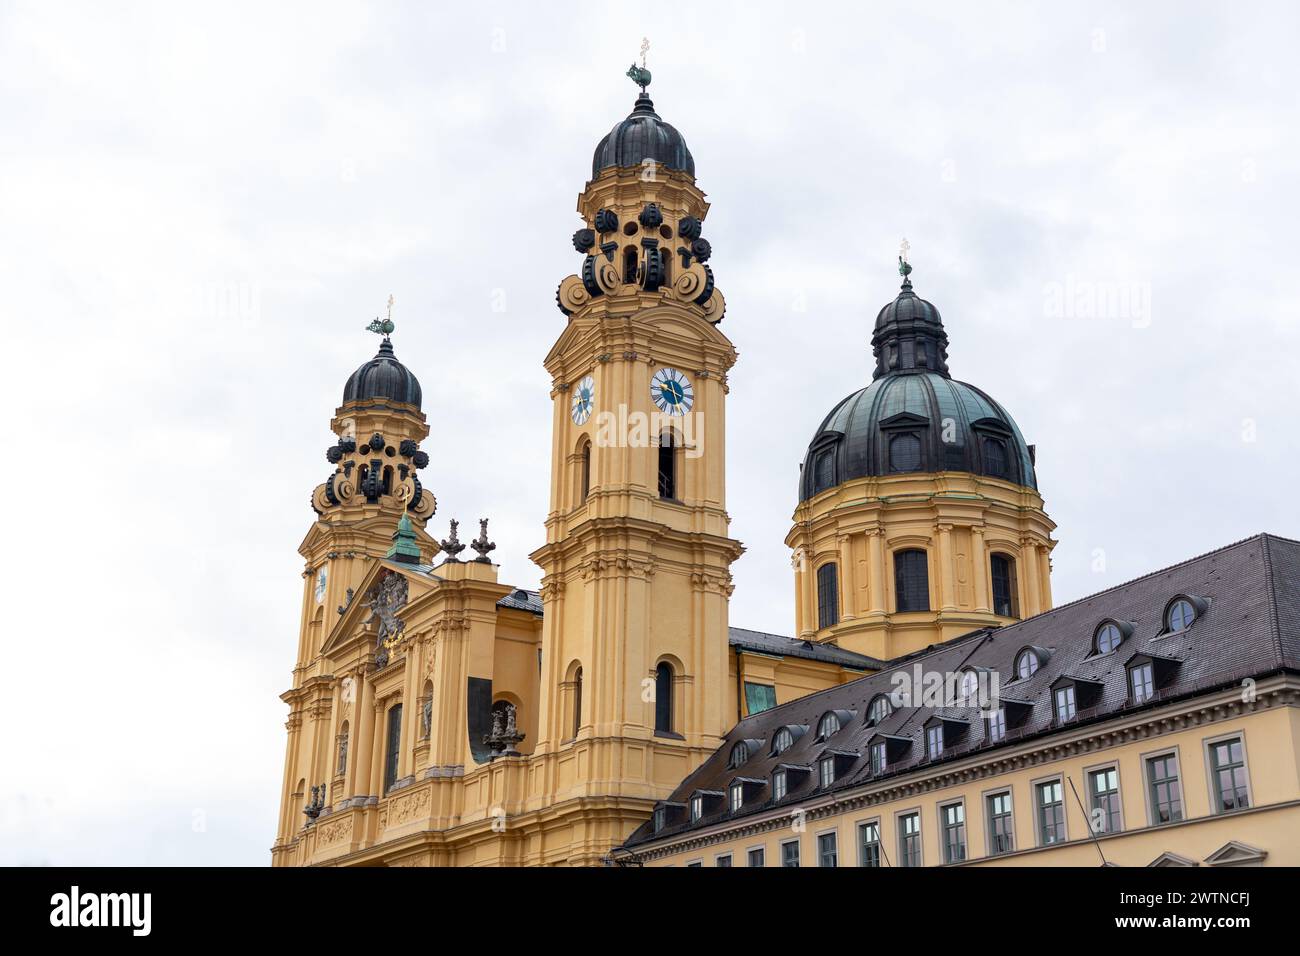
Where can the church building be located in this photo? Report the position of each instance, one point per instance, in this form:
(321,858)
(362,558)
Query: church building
(439,716)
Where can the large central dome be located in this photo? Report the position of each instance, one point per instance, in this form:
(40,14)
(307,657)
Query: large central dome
(914,417)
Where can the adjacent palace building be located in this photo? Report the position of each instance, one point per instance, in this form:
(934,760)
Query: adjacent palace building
(931,708)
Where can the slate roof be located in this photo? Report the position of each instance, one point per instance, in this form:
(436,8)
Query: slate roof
(522,600)
(764,643)
(1250,627)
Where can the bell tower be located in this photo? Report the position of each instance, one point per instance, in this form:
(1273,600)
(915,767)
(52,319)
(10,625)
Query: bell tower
(636,565)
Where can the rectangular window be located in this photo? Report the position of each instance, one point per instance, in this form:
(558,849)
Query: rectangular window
(759,697)
(934,741)
(1103,797)
(790,853)
(1140,683)
(737,793)
(1165,791)
(724,860)
(869,844)
(1065,709)
(1001,835)
(827,850)
(954,832)
(828,596)
(1004,585)
(909,839)
(394,746)
(996,725)
(778,785)
(697,808)
(756,857)
(1051,813)
(826,771)
(1228,769)
(695,863)
(878,758)
(660,817)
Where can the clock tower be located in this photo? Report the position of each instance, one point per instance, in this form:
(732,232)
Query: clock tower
(636,565)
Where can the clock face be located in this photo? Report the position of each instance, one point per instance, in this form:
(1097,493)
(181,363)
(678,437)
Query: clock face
(672,392)
(583,395)
(322,578)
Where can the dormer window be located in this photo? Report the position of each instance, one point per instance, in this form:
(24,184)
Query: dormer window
(1028,661)
(660,818)
(879,758)
(826,772)
(824,470)
(968,690)
(995,458)
(697,807)
(780,785)
(1180,615)
(1107,638)
(1066,706)
(1141,682)
(782,742)
(736,796)
(831,724)
(739,756)
(905,453)
(934,741)
(880,709)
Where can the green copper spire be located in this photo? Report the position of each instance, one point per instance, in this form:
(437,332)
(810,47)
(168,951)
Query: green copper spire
(405,547)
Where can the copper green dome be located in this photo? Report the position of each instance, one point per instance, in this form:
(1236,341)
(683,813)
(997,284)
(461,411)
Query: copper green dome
(914,417)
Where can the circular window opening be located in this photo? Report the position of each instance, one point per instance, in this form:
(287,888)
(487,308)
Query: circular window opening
(629,229)
(665,232)
(1181,615)
(1108,638)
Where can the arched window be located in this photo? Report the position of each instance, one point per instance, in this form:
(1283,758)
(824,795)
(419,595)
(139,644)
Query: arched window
(828,596)
(995,458)
(829,726)
(880,709)
(905,453)
(911,581)
(577,702)
(584,476)
(342,767)
(668,465)
(1003,569)
(1026,664)
(393,755)
(1108,638)
(1180,616)
(665,264)
(388,479)
(739,755)
(664,697)
(629,264)
(824,470)
(782,742)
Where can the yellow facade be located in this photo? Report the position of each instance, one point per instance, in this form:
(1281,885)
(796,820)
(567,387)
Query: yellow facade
(959,520)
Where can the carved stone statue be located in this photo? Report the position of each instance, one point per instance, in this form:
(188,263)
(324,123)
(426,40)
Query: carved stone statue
(505,735)
(385,600)
(452,546)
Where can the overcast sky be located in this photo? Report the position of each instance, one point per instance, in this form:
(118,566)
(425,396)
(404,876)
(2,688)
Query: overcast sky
(201,207)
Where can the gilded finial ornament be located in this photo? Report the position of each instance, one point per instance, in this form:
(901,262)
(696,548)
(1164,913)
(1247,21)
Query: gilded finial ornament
(383,326)
(639,74)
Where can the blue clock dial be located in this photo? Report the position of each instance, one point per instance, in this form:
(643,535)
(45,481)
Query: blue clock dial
(672,392)
(584,395)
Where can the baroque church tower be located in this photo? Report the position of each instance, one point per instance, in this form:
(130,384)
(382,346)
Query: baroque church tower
(637,555)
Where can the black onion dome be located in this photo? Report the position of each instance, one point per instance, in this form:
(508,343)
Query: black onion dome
(383,377)
(914,417)
(643,135)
